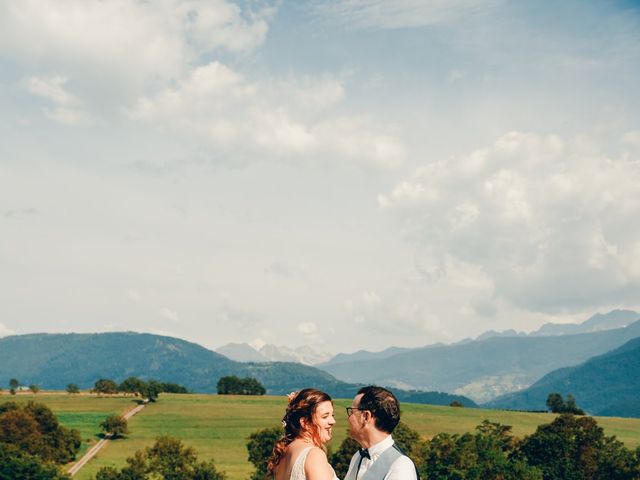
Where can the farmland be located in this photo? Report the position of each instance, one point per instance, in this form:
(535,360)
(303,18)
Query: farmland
(218,426)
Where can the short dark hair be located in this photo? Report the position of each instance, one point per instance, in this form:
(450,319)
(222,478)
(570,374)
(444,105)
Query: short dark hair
(383,405)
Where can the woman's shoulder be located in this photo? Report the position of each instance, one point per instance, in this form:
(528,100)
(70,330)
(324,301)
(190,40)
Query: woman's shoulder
(317,466)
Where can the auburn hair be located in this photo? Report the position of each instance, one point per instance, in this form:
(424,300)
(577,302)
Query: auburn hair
(302,406)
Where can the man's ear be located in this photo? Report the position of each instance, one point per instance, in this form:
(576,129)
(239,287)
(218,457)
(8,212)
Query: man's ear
(367,416)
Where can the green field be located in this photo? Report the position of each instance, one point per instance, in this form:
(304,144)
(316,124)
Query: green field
(218,426)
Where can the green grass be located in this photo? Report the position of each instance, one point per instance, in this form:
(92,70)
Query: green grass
(218,426)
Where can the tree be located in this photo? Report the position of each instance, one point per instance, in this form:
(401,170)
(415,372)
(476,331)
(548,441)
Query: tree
(105,385)
(35,430)
(151,390)
(232,385)
(456,403)
(13,385)
(73,388)
(131,385)
(116,425)
(575,448)
(15,464)
(167,459)
(341,458)
(487,454)
(260,447)
(556,404)
(34,389)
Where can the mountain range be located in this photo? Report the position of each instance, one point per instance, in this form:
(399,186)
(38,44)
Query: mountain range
(604,385)
(52,361)
(480,369)
(244,352)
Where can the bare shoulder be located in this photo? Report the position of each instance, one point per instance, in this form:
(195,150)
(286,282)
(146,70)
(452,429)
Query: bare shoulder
(316,466)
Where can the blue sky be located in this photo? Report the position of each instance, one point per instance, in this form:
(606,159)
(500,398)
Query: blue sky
(343,174)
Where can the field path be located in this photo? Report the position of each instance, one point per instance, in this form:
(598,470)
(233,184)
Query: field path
(93,451)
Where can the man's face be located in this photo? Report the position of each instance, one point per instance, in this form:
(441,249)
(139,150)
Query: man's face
(356,421)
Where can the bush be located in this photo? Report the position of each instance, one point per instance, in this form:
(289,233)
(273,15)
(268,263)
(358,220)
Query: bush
(260,446)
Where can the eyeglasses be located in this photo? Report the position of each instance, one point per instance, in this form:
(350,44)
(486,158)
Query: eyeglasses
(351,409)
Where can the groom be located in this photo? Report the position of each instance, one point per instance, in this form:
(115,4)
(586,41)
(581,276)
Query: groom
(372,416)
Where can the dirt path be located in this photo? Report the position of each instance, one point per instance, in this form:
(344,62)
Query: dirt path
(93,451)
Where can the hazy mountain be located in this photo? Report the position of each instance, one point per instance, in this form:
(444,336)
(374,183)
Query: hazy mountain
(608,384)
(243,352)
(304,354)
(598,322)
(52,361)
(483,369)
(504,333)
(362,355)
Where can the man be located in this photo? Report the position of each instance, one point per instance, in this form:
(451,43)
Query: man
(372,416)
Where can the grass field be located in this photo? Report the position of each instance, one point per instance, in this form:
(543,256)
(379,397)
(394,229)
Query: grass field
(218,426)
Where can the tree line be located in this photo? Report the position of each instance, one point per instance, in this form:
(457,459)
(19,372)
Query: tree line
(569,448)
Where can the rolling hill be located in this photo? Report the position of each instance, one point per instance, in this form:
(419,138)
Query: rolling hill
(52,361)
(606,385)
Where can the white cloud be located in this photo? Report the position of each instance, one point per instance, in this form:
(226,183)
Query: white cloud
(544,219)
(230,114)
(391,14)
(115,52)
(308,329)
(68,109)
(169,314)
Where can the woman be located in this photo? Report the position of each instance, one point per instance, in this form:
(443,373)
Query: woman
(308,426)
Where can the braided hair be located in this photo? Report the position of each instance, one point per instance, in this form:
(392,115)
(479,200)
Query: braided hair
(301,406)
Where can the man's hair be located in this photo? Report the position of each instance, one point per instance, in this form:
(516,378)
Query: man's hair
(383,405)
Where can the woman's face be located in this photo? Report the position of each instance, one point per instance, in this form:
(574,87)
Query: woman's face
(324,421)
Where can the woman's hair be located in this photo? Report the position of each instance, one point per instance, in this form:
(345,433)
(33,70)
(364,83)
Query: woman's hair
(302,406)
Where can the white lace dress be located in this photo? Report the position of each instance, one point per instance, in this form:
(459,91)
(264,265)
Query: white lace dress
(297,472)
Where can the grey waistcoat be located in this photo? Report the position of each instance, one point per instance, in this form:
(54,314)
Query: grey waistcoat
(381,466)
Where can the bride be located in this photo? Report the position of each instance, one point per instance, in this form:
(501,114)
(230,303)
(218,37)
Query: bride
(308,426)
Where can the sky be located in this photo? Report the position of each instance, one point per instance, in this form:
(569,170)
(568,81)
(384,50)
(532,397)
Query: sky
(347,175)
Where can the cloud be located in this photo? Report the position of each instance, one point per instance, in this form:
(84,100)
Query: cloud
(68,109)
(545,220)
(114,52)
(392,14)
(169,314)
(20,212)
(308,329)
(286,269)
(230,114)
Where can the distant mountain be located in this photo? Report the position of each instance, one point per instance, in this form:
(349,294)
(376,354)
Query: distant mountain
(504,333)
(243,352)
(597,323)
(482,369)
(52,361)
(362,355)
(608,384)
(304,354)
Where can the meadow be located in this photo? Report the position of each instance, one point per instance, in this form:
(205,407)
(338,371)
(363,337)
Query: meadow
(218,426)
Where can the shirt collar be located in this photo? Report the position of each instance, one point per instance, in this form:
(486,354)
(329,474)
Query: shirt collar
(378,448)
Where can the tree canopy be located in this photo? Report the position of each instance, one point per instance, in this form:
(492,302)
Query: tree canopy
(232,385)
